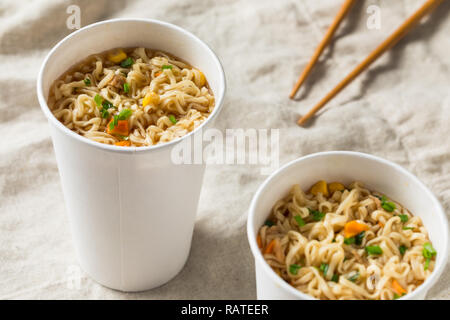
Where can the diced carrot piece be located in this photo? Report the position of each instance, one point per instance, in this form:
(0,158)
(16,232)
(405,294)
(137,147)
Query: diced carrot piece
(258,240)
(121,127)
(123,143)
(398,288)
(158,73)
(269,247)
(335,186)
(352,228)
(320,187)
(381,224)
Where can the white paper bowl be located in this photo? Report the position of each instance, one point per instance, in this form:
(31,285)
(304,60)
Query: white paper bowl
(131,210)
(377,174)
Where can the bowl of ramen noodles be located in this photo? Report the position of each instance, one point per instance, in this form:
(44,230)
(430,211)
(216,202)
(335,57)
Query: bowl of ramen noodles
(346,226)
(122,97)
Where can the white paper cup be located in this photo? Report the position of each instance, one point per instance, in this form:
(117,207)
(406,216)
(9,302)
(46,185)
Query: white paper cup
(131,210)
(376,174)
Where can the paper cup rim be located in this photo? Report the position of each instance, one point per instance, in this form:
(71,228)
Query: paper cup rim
(259,259)
(50,117)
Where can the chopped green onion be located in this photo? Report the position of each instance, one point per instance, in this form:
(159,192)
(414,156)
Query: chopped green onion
(166,67)
(269,223)
(124,114)
(359,238)
(126,63)
(104,104)
(299,220)
(354,277)
(293,268)
(111,125)
(172,119)
(407,228)
(98,100)
(333,241)
(107,105)
(403,217)
(373,250)
(428,250)
(116,120)
(387,205)
(402,249)
(428,253)
(397,296)
(349,240)
(126,87)
(335,278)
(324,268)
(427,264)
(317,215)
(87,81)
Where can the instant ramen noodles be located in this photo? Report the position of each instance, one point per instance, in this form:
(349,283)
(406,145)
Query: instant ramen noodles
(131,97)
(338,242)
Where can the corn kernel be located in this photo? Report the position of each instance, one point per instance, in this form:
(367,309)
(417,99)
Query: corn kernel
(202,79)
(320,187)
(150,97)
(117,56)
(335,186)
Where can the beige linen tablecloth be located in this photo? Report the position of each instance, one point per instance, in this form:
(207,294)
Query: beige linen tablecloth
(399,110)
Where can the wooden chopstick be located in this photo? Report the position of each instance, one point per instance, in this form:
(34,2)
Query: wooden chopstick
(345,8)
(401,31)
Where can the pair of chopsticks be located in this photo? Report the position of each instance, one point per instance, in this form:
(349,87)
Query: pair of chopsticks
(392,40)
